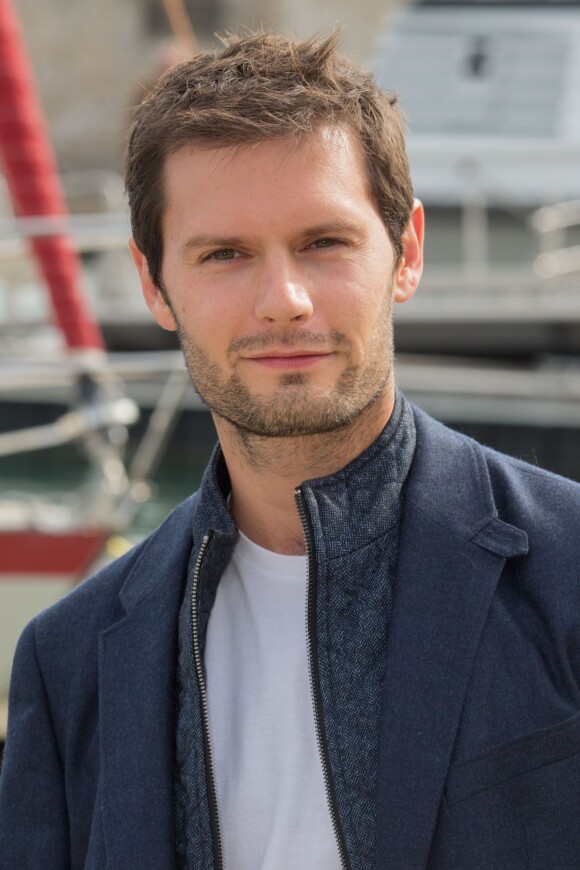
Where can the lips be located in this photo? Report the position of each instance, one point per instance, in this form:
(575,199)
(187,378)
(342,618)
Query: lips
(288,360)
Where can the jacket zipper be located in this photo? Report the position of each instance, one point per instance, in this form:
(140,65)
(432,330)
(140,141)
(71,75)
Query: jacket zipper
(315,690)
(211,787)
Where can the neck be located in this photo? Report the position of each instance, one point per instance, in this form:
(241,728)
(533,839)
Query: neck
(265,472)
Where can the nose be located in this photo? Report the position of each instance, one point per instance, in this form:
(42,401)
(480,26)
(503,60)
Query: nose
(283,296)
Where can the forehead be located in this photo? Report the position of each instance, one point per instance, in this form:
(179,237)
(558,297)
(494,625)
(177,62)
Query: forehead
(322,171)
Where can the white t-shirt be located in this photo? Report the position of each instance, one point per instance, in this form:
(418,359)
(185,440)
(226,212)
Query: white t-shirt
(272,802)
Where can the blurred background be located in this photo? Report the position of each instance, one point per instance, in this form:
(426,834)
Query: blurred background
(100,433)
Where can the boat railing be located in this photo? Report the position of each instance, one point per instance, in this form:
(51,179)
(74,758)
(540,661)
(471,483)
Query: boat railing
(99,418)
(551,223)
(90,233)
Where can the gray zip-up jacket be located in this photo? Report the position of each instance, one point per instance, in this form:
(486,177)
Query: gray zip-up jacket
(351,527)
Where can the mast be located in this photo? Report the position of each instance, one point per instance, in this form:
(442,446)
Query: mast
(32,176)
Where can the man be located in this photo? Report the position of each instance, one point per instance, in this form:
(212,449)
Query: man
(179,710)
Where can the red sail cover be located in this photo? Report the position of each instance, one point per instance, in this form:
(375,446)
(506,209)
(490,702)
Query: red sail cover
(32,176)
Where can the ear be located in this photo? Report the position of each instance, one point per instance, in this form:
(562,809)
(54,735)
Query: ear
(408,272)
(152,295)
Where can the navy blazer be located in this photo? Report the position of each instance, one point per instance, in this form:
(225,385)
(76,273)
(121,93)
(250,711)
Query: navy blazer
(480,731)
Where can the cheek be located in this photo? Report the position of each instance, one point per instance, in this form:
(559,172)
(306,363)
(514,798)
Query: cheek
(370,329)
(366,283)
(213,325)
(203,310)
(216,324)
(366,306)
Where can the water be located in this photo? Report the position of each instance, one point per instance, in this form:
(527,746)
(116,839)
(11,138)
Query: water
(56,472)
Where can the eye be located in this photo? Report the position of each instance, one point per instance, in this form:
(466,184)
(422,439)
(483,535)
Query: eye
(222,255)
(326,243)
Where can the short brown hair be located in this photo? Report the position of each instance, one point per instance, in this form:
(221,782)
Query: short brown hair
(259,87)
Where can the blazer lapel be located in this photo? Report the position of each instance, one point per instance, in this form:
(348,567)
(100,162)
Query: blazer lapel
(137,659)
(451,554)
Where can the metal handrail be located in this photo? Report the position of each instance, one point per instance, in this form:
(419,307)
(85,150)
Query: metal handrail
(70,427)
(558,216)
(549,223)
(100,231)
(559,261)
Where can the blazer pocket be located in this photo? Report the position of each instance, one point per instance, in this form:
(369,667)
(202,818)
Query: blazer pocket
(513,759)
(532,785)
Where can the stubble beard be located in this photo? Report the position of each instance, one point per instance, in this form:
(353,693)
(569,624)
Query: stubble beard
(296,408)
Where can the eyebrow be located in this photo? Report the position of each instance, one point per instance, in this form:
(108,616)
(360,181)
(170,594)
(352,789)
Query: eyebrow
(338,226)
(207,241)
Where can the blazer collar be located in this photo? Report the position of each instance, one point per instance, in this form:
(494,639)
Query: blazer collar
(137,676)
(137,659)
(451,553)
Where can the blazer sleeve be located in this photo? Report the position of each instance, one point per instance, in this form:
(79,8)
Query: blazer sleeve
(33,812)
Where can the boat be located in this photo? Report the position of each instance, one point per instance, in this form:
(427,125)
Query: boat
(490,95)
(49,542)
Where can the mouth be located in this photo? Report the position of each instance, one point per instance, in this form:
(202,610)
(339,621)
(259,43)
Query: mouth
(295,359)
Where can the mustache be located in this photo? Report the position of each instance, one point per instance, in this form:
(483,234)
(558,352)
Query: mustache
(302,338)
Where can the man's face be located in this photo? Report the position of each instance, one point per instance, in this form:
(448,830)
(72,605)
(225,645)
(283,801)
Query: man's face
(279,276)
